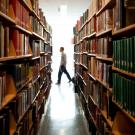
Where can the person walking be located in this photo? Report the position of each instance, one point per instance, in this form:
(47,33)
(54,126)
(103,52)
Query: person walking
(62,67)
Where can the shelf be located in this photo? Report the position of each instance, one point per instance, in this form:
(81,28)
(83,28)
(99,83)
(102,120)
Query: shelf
(23,29)
(124,30)
(85,53)
(132,75)
(105,85)
(23,85)
(92,119)
(42,68)
(77,63)
(104,59)
(91,17)
(36,15)
(36,57)
(92,54)
(79,75)
(37,36)
(123,111)
(46,54)
(91,35)
(83,25)
(7,18)
(4,59)
(103,33)
(109,122)
(26,5)
(42,85)
(108,5)
(92,77)
(84,66)
(76,53)
(42,53)
(36,79)
(84,96)
(7,99)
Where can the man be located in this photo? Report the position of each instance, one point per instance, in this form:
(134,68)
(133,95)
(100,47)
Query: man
(62,67)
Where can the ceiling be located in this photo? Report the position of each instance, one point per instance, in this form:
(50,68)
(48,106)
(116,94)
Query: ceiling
(75,8)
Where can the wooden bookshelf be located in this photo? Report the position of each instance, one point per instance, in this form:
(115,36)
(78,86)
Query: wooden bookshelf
(91,35)
(105,85)
(108,5)
(35,35)
(11,58)
(125,73)
(92,77)
(104,59)
(84,66)
(24,2)
(103,33)
(91,55)
(42,53)
(42,68)
(94,14)
(7,18)
(34,58)
(124,31)
(23,29)
(16,29)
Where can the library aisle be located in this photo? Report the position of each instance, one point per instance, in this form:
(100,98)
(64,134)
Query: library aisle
(64,114)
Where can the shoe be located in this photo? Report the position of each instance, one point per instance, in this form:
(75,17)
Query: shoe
(58,83)
(70,81)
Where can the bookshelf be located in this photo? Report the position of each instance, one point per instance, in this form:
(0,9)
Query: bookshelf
(25,70)
(104,58)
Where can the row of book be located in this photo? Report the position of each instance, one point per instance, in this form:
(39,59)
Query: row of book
(77,48)
(36,26)
(35,47)
(34,70)
(4,6)
(83,46)
(20,42)
(3,90)
(101,4)
(42,61)
(104,73)
(4,40)
(123,93)
(21,13)
(92,26)
(104,47)
(35,6)
(124,13)
(104,20)
(48,48)
(92,66)
(92,8)
(20,73)
(91,46)
(124,57)
(77,58)
(42,46)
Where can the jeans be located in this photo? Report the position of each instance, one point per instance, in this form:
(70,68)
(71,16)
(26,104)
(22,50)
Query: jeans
(61,70)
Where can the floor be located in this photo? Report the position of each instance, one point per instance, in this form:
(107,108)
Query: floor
(64,115)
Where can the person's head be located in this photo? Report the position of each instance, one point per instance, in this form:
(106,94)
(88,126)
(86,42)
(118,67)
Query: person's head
(61,49)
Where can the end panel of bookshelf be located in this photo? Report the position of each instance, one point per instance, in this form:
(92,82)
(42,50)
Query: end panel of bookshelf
(122,125)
